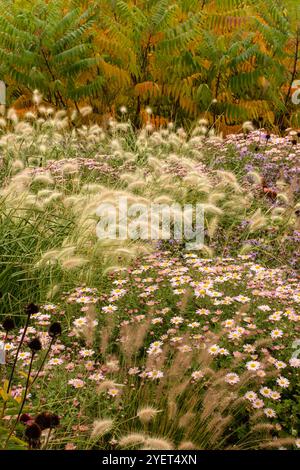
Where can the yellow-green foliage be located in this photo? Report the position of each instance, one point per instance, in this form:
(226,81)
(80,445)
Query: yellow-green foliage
(231,60)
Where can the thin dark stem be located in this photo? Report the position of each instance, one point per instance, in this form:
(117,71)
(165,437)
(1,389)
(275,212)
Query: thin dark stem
(43,362)
(4,402)
(52,76)
(23,401)
(293,76)
(17,354)
(294,72)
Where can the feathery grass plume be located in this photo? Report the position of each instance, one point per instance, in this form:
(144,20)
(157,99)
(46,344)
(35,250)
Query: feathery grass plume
(172,409)
(101,427)
(248,127)
(147,414)
(17,165)
(227,176)
(112,364)
(30,116)
(37,97)
(44,178)
(212,226)
(157,443)
(216,428)
(215,197)
(257,416)
(236,205)
(23,128)
(75,203)
(54,198)
(211,209)
(48,258)
(283,197)
(53,291)
(136,185)
(34,161)
(123,252)
(20,182)
(70,168)
(229,179)
(60,114)
(186,445)
(185,420)
(246,248)
(74,262)
(179,366)
(163,199)
(88,329)
(262,427)
(85,110)
(92,188)
(31,202)
(256,177)
(53,256)
(106,385)
(44,193)
(206,250)
(193,180)
(276,219)
(66,251)
(165,178)
(210,402)
(132,440)
(257,221)
(132,337)
(12,116)
(154,163)
(128,177)
(278,442)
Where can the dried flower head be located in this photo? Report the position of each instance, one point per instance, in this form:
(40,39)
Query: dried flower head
(54,329)
(24,418)
(47,420)
(8,324)
(31,309)
(35,345)
(32,434)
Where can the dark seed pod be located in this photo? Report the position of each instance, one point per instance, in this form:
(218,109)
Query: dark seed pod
(47,420)
(55,420)
(298,134)
(33,432)
(35,345)
(8,324)
(294,142)
(31,309)
(54,329)
(43,420)
(268,137)
(24,418)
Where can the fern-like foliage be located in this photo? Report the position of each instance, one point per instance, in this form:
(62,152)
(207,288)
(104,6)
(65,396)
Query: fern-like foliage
(228,59)
(49,48)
